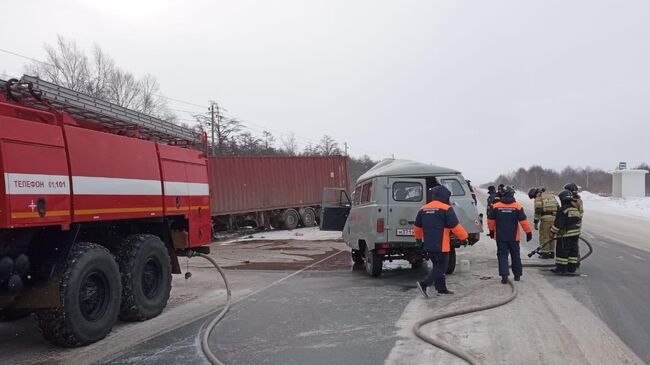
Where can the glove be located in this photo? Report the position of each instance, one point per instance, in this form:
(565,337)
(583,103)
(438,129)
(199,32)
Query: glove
(418,243)
(465,242)
(536,224)
(529,236)
(491,234)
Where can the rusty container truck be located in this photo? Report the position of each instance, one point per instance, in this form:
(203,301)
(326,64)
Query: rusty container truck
(272,191)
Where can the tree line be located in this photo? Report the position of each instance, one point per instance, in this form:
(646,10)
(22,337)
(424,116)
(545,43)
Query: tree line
(597,181)
(98,75)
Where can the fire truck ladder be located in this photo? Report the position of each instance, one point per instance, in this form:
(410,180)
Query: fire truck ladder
(45,95)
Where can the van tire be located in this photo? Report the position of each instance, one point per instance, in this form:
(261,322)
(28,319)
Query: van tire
(373,263)
(452,261)
(357,257)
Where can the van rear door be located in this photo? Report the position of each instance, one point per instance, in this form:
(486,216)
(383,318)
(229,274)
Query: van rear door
(462,201)
(405,197)
(335,209)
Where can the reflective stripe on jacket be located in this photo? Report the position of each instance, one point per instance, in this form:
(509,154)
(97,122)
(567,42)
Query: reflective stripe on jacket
(434,224)
(568,221)
(504,220)
(545,207)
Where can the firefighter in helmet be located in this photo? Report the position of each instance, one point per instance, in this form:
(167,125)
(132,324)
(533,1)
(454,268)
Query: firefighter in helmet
(545,208)
(577,200)
(566,228)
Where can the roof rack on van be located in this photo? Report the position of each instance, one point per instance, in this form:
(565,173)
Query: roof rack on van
(405,168)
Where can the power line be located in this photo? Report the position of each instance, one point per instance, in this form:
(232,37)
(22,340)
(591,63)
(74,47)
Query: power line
(49,64)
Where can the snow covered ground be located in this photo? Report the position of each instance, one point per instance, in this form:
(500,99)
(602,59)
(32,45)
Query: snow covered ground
(302,234)
(638,207)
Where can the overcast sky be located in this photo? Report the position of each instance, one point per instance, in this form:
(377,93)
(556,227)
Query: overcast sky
(480,86)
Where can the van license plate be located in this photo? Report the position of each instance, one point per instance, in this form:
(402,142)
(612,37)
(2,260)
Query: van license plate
(404,232)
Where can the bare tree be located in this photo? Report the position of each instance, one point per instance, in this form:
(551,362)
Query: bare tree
(226,131)
(68,65)
(268,141)
(290,145)
(328,146)
(310,150)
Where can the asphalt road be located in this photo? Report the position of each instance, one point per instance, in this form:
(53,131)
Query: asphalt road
(316,317)
(617,282)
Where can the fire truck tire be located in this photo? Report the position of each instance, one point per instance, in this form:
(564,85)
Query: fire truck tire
(13,314)
(290,219)
(90,293)
(145,267)
(308,217)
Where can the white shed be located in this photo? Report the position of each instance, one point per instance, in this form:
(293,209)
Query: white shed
(628,183)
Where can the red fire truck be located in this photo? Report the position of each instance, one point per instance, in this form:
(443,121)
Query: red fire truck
(98,203)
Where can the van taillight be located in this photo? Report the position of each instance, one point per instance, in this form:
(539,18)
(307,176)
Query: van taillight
(380,225)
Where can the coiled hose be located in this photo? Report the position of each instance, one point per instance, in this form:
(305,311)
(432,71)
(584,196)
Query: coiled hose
(417,328)
(205,346)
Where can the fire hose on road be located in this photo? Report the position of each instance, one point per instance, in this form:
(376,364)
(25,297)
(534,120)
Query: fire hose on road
(417,328)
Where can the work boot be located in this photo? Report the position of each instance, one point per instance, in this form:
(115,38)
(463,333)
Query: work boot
(517,277)
(559,270)
(443,292)
(551,255)
(504,280)
(423,289)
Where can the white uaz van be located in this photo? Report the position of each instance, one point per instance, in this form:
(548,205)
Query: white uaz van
(377,223)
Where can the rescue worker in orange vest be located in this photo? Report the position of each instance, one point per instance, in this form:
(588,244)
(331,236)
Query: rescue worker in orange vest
(545,208)
(503,222)
(432,230)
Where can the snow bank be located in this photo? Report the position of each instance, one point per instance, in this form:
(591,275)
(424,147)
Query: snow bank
(636,207)
(303,234)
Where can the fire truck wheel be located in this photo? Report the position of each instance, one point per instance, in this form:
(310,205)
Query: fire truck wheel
(90,291)
(13,314)
(290,219)
(146,277)
(308,217)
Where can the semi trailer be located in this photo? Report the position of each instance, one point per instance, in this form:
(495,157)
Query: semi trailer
(272,191)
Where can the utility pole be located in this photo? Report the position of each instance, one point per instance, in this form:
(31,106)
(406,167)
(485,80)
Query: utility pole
(212,124)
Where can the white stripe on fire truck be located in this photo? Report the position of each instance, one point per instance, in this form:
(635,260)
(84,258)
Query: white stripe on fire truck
(174,188)
(93,185)
(32,184)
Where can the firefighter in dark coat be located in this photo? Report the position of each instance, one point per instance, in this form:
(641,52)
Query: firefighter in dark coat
(504,220)
(567,228)
(433,227)
(492,194)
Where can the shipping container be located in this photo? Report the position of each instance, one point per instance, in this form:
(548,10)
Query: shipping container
(272,191)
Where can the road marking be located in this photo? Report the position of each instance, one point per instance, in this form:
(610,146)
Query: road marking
(638,257)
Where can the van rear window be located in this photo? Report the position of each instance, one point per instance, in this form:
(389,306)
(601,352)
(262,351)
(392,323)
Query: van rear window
(365,193)
(454,186)
(407,192)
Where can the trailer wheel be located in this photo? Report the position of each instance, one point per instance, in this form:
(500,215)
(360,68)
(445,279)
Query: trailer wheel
(452,261)
(290,219)
(374,263)
(357,257)
(90,293)
(145,267)
(308,217)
